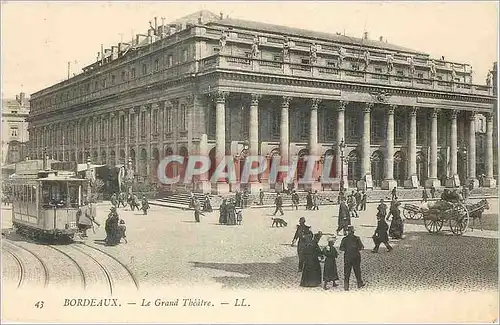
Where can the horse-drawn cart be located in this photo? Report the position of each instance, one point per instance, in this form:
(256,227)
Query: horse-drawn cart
(455,214)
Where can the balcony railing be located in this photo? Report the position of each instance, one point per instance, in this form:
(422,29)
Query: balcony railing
(333,73)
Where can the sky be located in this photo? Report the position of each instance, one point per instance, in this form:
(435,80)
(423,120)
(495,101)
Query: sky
(40,38)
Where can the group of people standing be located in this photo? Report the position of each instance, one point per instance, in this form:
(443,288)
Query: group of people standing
(311,255)
(132,200)
(230,214)
(115,228)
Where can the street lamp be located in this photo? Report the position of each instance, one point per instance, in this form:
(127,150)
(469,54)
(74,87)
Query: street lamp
(341,151)
(463,152)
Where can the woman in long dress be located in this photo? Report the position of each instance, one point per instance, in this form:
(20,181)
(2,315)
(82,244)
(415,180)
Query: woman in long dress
(311,272)
(231,213)
(330,272)
(396,227)
(223,213)
(302,230)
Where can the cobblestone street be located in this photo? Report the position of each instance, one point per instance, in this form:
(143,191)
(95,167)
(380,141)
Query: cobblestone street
(168,247)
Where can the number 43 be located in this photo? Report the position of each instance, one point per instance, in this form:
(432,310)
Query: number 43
(39,304)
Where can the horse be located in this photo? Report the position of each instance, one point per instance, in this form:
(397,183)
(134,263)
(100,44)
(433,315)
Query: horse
(476,212)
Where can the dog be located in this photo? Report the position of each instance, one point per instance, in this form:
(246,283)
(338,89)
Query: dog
(279,222)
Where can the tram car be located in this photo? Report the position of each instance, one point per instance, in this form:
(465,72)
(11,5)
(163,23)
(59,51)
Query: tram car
(45,201)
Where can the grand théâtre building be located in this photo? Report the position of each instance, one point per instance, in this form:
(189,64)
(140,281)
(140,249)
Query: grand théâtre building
(212,86)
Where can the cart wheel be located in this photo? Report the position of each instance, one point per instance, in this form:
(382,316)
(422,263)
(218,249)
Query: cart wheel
(405,213)
(459,224)
(433,226)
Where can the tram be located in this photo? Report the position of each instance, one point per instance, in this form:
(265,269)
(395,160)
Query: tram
(46,201)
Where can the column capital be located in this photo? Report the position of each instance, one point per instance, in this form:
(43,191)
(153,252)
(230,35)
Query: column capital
(342,105)
(188,99)
(391,109)
(154,106)
(254,99)
(472,116)
(453,114)
(112,114)
(131,111)
(413,110)
(368,107)
(434,112)
(315,103)
(285,102)
(489,117)
(220,96)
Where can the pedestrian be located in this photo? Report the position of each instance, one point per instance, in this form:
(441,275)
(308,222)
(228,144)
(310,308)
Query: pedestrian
(279,204)
(380,236)
(207,206)
(114,200)
(396,227)
(382,208)
(238,199)
(315,201)
(223,212)
(302,230)
(351,203)
(121,199)
(309,203)
(261,197)
(295,200)
(191,200)
(364,197)
(433,191)
(330,272)
(111,227)
(239,217)
(231,213)
(311,271)
(425,195)
(197,210)
(145,205)
(351,245)
(344,219)
(393,193)
(357,197)
(122,229)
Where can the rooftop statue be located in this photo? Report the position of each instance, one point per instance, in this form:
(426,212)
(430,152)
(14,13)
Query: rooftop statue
(412,66)
(432,66)
(255,46)
(314,52)
(366,57)
(390,63)
(223,39)
(342,55)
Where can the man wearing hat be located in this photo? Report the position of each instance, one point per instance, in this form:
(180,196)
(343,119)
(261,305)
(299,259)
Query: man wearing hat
(351,245)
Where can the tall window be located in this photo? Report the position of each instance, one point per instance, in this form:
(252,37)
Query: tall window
(122,126)
(168,119)
(377,127)
(170,61)
(133,129)
(157,65)
(132,73)
(143,123)
(184,55)
(352,126)
(275,123)
(421,130)
(144,69)
(113,79)
(123,75)
(303,125)
(155,121)
(400,127)
(184,119)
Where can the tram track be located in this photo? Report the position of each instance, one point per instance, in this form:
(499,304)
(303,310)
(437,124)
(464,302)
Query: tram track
(29,270)
(19,265)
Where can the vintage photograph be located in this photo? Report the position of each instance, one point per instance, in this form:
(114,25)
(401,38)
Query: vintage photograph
(249,162)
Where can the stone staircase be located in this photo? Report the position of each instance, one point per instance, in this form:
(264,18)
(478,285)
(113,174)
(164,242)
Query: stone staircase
(181,200)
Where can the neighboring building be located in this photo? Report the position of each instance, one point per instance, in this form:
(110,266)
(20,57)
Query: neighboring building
(214,86)
(14,129)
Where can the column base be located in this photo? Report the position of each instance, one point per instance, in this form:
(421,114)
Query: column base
(389,184)
(316,186)
(219,188)
(254,187)
(432,182)
(453,182)
(361,185)
(490,182)
(412,182)
(474,182)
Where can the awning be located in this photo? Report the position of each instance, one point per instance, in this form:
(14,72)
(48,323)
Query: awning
(83,167)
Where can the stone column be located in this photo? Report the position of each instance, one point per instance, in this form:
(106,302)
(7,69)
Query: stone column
(205,185)
(472,151)
(389,183)
(365,156)
(127,136)
(110,137)
(254,184)
(220,137)
(453,180)
(313,143)
(137,117)
(284,137)
(412,151)
(149,160)
(341,137)
(76,142)
(432,180)
(489,181)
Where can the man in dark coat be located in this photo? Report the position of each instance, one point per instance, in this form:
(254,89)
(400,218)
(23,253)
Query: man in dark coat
(295,200)
(433,191)
(238,199)
(197,210)
(380,236)
(261,197)
(344,217)
(144,205)
(223,212)
(393,193)
(112,236)
(351,245)
(302,230)
(364,197)
(382,208)
(309,201)
(357,197)
(279,204)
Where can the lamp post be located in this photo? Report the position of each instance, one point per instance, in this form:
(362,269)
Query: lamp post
(463,152)
(341,151)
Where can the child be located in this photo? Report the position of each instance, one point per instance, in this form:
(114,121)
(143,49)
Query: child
(239,217)
(330,273)
(122,228)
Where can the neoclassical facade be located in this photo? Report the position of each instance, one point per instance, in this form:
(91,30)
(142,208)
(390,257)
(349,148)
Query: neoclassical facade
(211,86)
